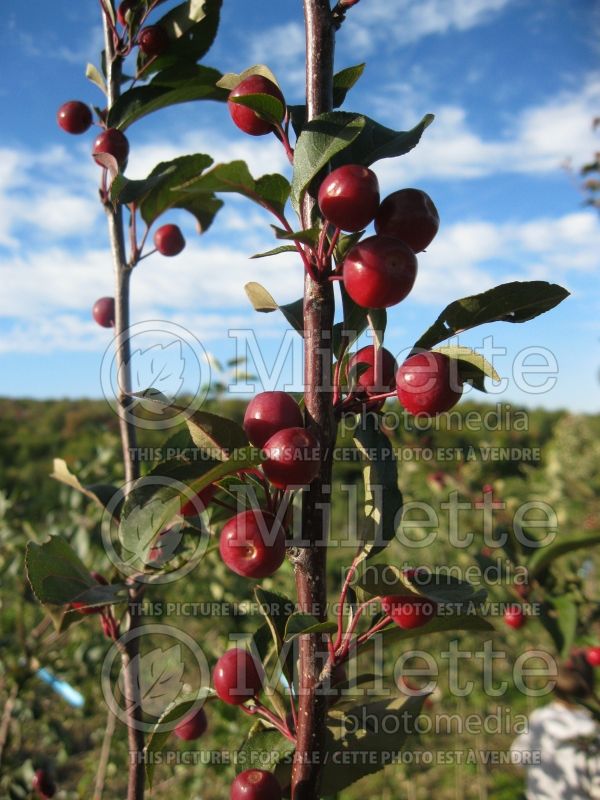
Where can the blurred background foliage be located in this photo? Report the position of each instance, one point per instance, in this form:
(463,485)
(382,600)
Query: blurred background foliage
(39,729)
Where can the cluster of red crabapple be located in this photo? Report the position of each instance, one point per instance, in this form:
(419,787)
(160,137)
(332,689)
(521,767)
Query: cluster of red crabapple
(377,272)
(76,117)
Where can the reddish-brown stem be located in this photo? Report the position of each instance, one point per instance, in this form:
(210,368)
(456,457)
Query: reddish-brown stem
(383,623)
(281,134)
(129,649)
(321,247)
(342,600)
(109,23)
(332,244)
(265,712)
(342,651)
(310,557)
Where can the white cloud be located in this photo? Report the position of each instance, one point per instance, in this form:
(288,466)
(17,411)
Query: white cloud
(539,141)
(203,276)
(471,257)
(48,295)
(282,48)
(378,22)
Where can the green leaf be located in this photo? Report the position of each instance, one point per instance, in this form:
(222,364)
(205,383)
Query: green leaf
(559,618)
(162,730)
(168,88)
(343,81)
(376,142)
(347,741)
(518,301)
(386,579)
(165,194)
(269,191)
(156,499)
(191,28)
(544,556)
(285,248)
(472,367)
(263,302)
(276,608)
(262,641)
(355,321)
(231,79)
(264,748)
(266,106)
(345,243)
(58,577)
(318,143)
(450,622)
(93,74)
(104,495)
(219,436)
(383,499)
(308,236)
(567,618)
(299,624)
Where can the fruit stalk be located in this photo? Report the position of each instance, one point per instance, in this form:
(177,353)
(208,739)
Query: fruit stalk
(136,776)
(310,560)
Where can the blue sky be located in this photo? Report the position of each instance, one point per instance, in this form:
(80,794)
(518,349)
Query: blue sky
(514,85)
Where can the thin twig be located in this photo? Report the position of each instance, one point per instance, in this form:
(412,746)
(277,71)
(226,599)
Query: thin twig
(104,755)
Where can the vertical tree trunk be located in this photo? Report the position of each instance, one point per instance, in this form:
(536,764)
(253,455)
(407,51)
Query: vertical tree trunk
(310,565)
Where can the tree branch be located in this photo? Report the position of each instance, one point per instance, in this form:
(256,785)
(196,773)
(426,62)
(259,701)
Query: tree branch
(310,562)
(136,778)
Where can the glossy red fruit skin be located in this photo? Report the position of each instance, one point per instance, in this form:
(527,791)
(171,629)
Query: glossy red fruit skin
(169,240)
(592,656)
(237,677)
(514,617)
(409,215)
(74,117)
(293,458)
(103,312)
(252,544)
(255,784)
(409,611)
(349,197)
(379,272)
(426,383)
(192,726)
(153,41)
(245,118)
(387,372)
(268,413)
(115,143)
(197,504)
(43,784)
